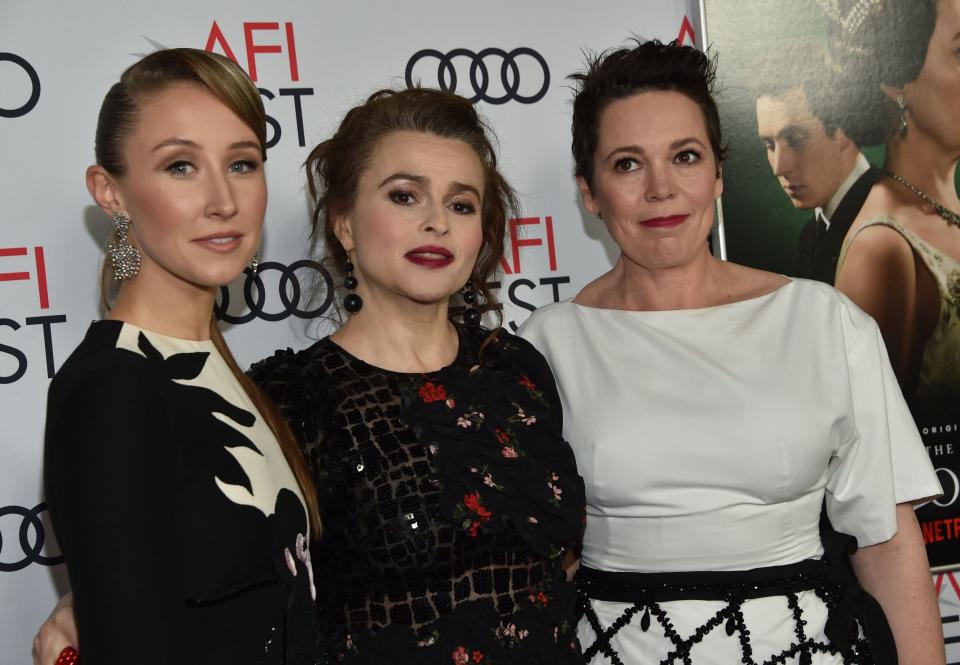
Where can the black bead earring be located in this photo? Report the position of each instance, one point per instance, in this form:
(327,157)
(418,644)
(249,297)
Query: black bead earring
(352,303)
(471,316)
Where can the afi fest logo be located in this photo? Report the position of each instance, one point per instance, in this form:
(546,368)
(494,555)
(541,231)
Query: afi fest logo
(23,272)
(18,76)
(526,233)
(276,44)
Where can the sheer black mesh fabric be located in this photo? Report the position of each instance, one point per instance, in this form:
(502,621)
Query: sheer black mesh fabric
(387,557)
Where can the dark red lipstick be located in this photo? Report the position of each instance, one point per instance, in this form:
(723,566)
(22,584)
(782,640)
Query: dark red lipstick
(430,256)
(664,222)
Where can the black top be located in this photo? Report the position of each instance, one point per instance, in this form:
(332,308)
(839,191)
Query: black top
(447,501)
(177,514)
(818,249)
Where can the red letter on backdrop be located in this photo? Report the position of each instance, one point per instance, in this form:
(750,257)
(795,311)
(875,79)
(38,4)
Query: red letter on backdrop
(292,52)
(686,30)
(252,50)
(516,243)
(217,37)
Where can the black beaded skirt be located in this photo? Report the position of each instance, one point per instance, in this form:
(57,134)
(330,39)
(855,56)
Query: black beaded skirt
(806,613)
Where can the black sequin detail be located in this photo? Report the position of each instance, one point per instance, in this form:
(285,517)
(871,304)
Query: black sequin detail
(646,592)
(434,538)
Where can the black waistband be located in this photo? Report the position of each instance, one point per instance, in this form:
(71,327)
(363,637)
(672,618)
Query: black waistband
(835,585)
(705,585)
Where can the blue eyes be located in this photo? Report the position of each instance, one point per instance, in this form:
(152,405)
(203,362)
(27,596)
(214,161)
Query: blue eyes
(244,166)
(182,168)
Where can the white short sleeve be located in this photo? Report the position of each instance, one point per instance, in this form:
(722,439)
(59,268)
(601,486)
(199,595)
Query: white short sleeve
(884,461)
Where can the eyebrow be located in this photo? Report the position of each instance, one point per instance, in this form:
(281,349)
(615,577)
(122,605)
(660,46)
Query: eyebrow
(455,187)
(419,179)
(640,151)
(785,131)
(177,142)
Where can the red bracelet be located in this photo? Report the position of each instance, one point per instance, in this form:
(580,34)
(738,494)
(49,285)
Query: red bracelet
(68,656)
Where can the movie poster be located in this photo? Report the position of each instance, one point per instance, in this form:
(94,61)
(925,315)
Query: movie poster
(842,123)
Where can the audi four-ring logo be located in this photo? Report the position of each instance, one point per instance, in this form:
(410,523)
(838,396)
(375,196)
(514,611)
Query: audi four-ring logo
(480,75)
(32,536)
(293,296)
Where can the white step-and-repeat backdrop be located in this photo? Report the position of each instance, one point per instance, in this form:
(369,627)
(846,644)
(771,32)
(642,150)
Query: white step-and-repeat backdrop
(312,61)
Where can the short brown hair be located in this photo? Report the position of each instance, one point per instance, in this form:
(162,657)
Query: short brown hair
(621,73)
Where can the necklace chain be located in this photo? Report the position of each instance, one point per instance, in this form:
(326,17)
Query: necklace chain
(950,216)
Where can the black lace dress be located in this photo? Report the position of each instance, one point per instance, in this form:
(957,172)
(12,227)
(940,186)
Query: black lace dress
(448,500)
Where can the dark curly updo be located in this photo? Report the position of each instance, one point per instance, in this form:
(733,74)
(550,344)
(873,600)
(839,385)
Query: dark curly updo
(334,167)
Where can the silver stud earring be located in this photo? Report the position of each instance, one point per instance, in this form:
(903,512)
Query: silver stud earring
(255,263)
(902,106)
(124,257)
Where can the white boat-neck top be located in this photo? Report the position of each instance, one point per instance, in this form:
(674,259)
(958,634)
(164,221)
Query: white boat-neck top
(708,438)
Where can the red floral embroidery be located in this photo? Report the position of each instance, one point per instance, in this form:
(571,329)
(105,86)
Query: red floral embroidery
(502,437)
(531,389)
(430,392)
(463,656)
(480,513)
(539,597)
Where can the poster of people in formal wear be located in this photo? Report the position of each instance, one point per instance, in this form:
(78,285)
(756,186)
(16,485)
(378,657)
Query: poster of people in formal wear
(842,122)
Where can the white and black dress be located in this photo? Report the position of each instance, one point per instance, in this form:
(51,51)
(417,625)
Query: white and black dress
(183,528)
(708,439)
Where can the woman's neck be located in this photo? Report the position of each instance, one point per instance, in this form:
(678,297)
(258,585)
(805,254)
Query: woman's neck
(688,286)
(400,336)
(170,307)
(925,164)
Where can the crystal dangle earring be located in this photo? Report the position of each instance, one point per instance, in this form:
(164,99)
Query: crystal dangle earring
(471,316)
(255,263)
(124,257)
(352,303)
(902,106)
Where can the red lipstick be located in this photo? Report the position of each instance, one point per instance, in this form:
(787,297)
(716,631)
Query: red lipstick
(664,222)
(430,256)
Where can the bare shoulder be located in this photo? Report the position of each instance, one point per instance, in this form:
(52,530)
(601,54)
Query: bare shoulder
(876,244)
(882,201)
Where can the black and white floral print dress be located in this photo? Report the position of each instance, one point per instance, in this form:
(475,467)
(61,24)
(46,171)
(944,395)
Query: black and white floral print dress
(184,530)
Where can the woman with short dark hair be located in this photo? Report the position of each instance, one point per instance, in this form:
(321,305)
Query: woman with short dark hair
(713,408)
